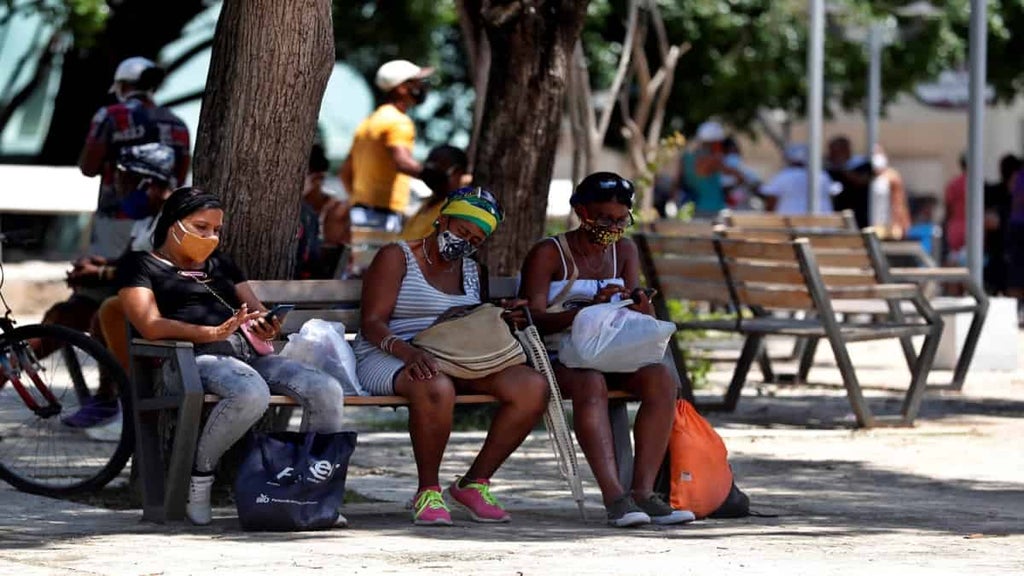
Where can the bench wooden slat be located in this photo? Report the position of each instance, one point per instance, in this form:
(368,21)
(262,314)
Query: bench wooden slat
(307,293)
(773,251)
(680,245)
(385,401)
(753,220)
(296,318)
(688,268)
(839,221)
(766,273)
(683,228)
(842,259)
(836,240)
(716,292)
(788,299)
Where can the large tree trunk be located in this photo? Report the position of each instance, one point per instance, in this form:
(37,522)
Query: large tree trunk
(531,44)
(269,68)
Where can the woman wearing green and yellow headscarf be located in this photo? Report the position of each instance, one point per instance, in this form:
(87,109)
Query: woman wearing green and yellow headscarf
(406,288)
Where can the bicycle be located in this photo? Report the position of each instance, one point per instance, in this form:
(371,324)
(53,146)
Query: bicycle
(39,453)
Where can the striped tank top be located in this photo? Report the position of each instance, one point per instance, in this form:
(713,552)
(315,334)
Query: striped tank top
(419,303)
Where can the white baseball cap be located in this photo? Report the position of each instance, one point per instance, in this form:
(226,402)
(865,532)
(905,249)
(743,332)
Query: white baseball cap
(396,72)
(131,69)
(710,132)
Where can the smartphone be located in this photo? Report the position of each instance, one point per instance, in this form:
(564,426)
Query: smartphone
(279,311)
(650,292)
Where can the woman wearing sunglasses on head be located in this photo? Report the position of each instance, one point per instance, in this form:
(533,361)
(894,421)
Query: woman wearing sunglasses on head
(407,287)
(594,264)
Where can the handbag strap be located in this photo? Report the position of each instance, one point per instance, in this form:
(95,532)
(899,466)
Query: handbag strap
(563,247)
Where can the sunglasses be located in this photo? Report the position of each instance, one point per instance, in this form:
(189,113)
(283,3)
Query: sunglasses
(621,223)
(493,206)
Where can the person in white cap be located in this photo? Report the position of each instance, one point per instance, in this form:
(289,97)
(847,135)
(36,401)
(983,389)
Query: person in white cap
(702,170)
(786,192)
(134,120)
(377,170)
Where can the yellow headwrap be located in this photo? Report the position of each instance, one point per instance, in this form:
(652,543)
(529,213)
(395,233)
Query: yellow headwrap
(472,209)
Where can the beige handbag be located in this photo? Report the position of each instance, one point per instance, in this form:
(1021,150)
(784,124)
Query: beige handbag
(472,343)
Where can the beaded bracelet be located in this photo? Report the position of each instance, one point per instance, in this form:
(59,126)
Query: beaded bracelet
(387,343)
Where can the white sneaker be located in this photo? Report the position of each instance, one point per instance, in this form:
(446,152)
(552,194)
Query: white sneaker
(341,522)
(198,507)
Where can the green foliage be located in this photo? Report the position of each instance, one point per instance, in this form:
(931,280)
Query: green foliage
(751,54)
(85,20)
(697,364)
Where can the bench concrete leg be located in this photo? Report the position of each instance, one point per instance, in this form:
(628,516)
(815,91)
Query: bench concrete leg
(147,444)
(618,416)
(185,436)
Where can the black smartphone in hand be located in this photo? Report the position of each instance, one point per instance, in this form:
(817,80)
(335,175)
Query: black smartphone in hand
(279,311)
(650,292)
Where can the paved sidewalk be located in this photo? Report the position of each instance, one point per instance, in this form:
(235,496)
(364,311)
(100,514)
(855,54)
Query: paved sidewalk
(946,497)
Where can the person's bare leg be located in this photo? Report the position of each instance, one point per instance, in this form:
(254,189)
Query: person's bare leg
(589,394)
(430,421)
(523,394)
(657,392)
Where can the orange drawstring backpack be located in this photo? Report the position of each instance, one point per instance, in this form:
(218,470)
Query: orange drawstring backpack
(702,480)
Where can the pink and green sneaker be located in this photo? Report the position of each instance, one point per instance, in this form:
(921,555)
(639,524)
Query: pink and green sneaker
(476,498)
(431,509)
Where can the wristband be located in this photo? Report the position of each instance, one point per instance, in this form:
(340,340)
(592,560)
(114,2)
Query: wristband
(387,343)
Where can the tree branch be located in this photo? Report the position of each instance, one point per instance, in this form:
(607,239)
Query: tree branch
(42,70)
(187,55)
(620,74)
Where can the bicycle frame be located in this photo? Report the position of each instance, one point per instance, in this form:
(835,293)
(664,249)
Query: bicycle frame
(26,359)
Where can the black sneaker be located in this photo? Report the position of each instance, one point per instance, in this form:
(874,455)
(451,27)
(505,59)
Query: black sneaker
(662,514)
(624,513)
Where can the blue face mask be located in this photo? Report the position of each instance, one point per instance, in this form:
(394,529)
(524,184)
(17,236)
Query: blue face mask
(453,247)
(136,204)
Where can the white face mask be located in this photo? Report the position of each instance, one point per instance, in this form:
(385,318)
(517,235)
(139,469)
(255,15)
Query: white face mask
(879,162)
(453,247)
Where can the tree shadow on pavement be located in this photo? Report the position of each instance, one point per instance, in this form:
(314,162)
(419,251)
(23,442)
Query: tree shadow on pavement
(826,406)
(830,499)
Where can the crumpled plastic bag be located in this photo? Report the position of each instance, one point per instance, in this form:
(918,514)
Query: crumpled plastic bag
(322,344)
(612,338)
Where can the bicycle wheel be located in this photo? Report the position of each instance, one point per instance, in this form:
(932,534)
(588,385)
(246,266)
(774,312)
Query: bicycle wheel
(39,453)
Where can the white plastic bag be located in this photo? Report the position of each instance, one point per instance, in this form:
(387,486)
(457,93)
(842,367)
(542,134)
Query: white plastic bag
(612,338)
(322,344)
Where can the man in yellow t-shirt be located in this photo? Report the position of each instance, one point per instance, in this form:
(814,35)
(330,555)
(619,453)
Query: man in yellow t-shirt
(377,170)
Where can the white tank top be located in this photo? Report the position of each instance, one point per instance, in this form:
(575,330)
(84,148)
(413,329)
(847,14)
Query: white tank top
(580,292)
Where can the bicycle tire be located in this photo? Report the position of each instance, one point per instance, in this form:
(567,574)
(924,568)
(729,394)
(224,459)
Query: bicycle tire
(94,476)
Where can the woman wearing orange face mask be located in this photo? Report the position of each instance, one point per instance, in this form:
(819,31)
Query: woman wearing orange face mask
(185,289)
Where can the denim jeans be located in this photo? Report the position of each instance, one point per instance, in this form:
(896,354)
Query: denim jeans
(245,387)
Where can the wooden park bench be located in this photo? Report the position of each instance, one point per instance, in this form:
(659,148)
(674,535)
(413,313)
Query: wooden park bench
(165,471)
(757,278)
(863,252)
(844,220)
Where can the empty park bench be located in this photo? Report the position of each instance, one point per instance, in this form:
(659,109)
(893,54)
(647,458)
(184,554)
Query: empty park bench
(852,250)
(164,471)
(757,278)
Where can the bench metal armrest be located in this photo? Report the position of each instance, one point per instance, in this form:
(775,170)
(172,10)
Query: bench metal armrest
(876,291)
(183,363)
